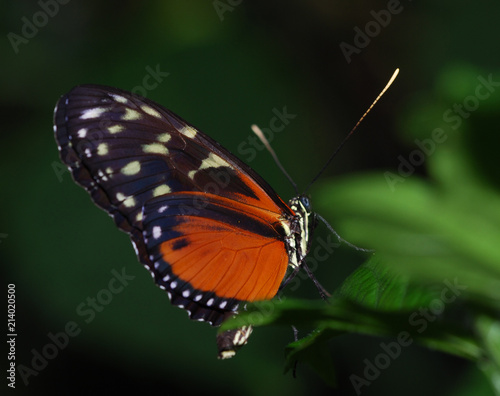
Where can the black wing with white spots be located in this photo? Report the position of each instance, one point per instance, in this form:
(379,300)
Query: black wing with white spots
(135,157)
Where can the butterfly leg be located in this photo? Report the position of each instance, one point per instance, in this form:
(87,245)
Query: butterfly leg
(289,278)
(322,291)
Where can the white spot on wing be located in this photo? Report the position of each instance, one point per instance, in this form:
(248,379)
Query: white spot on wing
(186,293)
(161,190)
(212,161)
(210,302)
(155,148)
(116,128)
(223,304)
(163,209)
(119,98)
(93,113)
(102,149)
(149,110)
(173,285)
(129,202)
(156,232)
(139,217)
(131,115)
(132,168)
(189,132)
(102,175)
(164,137)
(82,133)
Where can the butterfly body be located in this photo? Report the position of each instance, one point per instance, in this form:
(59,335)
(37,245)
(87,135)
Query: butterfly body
(213,234)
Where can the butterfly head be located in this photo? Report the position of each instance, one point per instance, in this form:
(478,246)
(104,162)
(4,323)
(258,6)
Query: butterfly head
(303,224)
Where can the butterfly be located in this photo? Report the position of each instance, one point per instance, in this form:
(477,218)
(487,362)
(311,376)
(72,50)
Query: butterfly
(212,233)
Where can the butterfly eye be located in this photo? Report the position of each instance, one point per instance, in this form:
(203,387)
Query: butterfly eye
(306,202)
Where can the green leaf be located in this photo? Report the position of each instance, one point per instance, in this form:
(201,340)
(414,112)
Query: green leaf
(378,286)
(489,331)
(448,334)
(423,231)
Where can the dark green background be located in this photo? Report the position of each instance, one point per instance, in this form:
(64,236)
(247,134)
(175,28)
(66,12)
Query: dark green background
(224,75)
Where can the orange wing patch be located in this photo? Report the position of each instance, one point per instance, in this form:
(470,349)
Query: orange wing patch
(229,261)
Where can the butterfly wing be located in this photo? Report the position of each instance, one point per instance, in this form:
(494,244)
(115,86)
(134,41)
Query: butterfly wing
(209,229)
(214,256)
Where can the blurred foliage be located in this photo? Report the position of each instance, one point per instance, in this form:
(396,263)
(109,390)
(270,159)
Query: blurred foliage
(433,221)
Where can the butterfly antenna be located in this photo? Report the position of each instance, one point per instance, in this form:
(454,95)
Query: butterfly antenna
(394,75)
(263,139)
